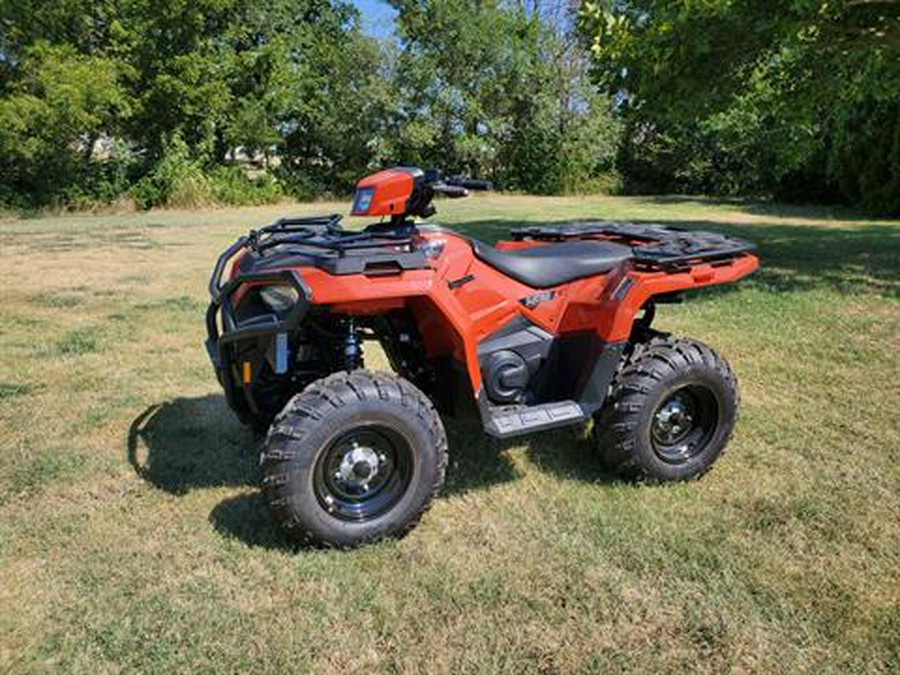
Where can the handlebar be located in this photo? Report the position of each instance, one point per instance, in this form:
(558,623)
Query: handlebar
(450,190)
(470,184)
(457,186)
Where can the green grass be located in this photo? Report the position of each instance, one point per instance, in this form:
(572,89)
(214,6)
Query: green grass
(133,536)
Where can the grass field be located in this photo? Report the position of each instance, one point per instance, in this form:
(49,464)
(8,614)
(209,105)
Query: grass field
(133,537)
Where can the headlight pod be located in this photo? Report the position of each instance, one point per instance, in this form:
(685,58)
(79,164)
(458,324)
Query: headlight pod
(279,298)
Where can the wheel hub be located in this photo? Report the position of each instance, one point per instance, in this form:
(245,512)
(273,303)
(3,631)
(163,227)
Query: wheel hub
(358,466)
(683,424)
(673,419)
(363,473)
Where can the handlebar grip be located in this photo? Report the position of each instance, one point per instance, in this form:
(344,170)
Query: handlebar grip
(476,184)
(452,191)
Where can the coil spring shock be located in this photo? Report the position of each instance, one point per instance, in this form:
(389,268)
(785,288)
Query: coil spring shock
(353,356)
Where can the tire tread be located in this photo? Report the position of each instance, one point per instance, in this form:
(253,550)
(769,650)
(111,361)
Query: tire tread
(315,403)
(649,363)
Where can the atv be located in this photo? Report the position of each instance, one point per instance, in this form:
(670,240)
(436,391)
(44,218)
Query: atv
(550,328)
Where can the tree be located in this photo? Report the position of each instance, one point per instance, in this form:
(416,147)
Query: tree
(499,90)
(335,109)
(793,98)
(51,119)
(214,75)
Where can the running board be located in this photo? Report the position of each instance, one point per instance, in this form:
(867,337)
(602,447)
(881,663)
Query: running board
(507,422)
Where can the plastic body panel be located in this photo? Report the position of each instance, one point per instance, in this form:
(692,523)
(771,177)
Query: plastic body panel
(453,318)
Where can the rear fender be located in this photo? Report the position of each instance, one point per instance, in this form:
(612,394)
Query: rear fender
(628,290)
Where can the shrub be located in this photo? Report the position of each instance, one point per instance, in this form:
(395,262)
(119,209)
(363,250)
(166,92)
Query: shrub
(176,180)
(232,185)
(298,183)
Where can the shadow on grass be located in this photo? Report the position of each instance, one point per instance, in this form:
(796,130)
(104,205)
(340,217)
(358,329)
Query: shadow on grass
(192,443)
(859,259)
(196,443)
(568,453)
(246,518)
(758,207)
(476,459)
(476,462)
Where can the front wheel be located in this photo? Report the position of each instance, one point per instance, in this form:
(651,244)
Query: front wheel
(353,458)
(670,412)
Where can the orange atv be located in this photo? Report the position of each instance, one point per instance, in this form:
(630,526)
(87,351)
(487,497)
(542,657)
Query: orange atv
(548,329)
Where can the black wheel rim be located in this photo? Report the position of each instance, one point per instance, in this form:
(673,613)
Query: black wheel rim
(684,423)
(363,473)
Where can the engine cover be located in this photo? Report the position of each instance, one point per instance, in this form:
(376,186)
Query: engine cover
(506,376)
(510,358)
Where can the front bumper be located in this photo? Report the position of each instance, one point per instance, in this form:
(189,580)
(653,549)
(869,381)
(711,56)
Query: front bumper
(258,339)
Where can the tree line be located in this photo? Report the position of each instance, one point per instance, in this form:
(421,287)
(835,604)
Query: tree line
(796,99)
(191,102)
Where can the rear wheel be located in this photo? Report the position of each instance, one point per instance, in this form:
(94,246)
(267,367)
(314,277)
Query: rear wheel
(670,413)
(353,458)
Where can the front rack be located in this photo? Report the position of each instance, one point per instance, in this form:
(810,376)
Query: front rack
(659,246)
(293,223)
(325,232)
(321,242)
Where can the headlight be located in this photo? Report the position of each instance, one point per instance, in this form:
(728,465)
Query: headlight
(279,298)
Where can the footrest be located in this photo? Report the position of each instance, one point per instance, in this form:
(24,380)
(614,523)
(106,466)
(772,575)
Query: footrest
(507,422)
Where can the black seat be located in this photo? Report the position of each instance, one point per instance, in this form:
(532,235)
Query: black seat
(553,264)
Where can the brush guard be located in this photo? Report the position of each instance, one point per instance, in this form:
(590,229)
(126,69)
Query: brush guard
(224,329)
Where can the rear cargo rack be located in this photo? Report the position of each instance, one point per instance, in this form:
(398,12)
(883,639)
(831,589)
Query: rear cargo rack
(654,246)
